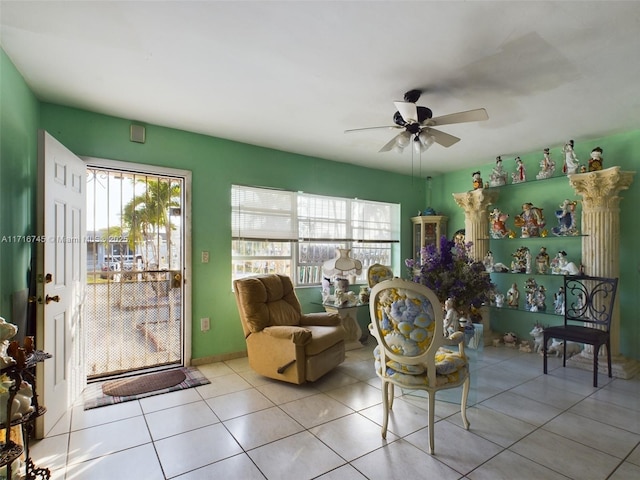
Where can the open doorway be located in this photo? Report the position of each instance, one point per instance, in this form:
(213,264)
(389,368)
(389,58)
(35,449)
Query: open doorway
(136,319)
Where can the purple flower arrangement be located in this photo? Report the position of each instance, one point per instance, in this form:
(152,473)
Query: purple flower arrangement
(451,272)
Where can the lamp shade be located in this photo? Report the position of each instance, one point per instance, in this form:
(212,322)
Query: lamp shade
(343,264)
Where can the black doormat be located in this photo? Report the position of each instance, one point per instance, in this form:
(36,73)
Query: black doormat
(133,388)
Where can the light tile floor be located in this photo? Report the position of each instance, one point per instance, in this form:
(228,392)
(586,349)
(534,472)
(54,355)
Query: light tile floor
(524,425)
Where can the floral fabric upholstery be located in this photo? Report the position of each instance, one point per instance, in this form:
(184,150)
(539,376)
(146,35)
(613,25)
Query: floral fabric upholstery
(378,273)
(408,325)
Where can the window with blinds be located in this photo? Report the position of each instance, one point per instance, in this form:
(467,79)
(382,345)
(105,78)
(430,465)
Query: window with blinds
(293,233)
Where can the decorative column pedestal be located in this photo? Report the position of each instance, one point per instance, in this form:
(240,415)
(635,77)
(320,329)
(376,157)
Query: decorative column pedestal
(475,204)
(601,254)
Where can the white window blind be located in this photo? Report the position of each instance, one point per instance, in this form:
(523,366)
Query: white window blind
(374,221)
(322,218)
(263,214)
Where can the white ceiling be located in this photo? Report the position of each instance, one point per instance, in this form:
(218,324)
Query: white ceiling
(294,75)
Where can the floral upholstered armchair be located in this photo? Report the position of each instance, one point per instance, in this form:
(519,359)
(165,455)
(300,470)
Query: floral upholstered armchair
(406,320)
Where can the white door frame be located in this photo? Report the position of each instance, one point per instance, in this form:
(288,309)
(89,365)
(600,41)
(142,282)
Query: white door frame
(95,162)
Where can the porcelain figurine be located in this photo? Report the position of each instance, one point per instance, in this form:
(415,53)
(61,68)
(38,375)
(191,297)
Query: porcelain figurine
(530,221)
(571,163)
(566,216)
(510,339)
(520,175)
(542,261)
(595,162)
(477,180)
(557,347)
(513,296)
(499,299)
(531,289)
(488,262)
(561,266)
(547,166)
(498,176)
(521,260)
(558,301)
(498,221)
(451,320)
(538,337)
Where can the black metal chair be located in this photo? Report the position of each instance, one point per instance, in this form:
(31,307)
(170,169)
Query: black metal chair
(587,317)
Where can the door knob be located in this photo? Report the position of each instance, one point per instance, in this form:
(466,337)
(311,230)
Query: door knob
(49,299)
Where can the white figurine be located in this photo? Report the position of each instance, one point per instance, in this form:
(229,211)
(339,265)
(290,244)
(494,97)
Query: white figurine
(547,166)
(520,175)
(558,302)
(557,347)
(499,300)
(451,320)
(538,337)
(561,266)
(7,331)
(498,174)
(570,160)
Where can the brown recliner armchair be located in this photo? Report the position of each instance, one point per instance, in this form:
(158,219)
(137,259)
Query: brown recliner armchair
(282,342)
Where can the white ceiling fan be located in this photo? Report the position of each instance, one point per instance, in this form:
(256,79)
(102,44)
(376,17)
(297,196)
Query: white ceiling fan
(416,123)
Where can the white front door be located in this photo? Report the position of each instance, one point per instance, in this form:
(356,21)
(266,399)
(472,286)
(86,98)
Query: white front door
(61,278)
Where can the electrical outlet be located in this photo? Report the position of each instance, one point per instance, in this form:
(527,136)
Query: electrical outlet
(205,256)
(204,324)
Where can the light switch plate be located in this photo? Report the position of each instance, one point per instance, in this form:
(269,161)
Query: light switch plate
(205,256)
(205,324)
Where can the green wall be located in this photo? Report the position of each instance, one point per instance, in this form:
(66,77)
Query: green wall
(19,118)
(618,150)
(217,163)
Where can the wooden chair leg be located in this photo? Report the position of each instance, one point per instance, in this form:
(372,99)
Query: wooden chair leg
(385,408)
(463,403)
(432,407)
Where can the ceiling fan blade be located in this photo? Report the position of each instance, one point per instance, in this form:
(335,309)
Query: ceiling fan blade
(476,115)
(393,142)
(442,138)
(371,128)
(408,111)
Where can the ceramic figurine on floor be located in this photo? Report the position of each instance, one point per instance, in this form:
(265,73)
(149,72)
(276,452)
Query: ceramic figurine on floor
(547,166)
(510,339)
(566,216)
(538,337)
(595,162)
(498,176)
(520,175)
(531,221)
(571,163)
(477,180)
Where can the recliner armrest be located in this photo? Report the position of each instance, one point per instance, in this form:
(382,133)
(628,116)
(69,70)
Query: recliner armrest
(322,319)
(298,335)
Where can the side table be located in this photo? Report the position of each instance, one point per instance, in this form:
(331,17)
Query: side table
(349,316)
